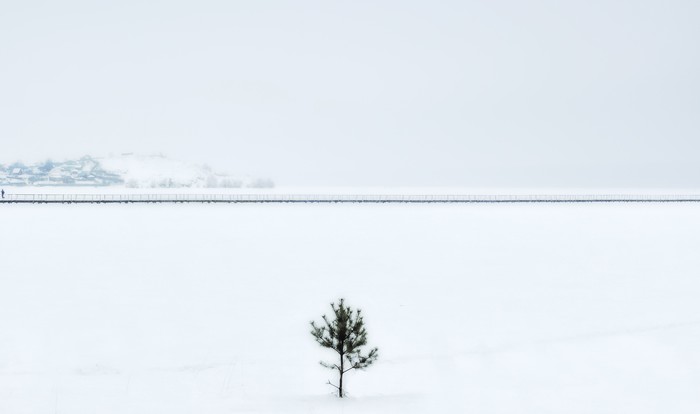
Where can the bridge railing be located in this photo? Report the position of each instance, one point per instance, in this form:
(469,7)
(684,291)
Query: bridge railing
(377,198)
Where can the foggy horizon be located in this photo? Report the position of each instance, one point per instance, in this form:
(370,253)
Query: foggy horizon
(511,94)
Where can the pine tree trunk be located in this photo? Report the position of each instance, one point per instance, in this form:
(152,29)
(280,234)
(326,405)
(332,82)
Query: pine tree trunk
(340,382)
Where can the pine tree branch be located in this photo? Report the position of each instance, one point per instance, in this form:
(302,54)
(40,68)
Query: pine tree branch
(329,366)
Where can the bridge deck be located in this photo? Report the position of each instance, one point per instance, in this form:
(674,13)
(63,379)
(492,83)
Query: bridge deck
(337,198)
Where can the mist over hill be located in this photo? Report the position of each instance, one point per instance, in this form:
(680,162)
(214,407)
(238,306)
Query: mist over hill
(129,170)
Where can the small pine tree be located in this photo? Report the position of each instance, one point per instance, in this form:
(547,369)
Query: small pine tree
(346,335)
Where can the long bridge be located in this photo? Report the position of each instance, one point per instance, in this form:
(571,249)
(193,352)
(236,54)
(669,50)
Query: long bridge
(344,198)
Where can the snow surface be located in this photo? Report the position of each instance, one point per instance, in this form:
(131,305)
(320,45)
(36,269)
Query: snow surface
(536,308)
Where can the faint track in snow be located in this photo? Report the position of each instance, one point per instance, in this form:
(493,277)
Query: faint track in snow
(583,337)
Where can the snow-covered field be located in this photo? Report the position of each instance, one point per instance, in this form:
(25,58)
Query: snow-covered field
(547,308)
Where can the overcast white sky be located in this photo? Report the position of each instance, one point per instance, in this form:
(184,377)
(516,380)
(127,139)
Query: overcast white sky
(470,93)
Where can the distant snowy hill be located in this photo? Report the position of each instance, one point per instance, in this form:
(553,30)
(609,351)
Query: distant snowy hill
(140,171)
(134,171)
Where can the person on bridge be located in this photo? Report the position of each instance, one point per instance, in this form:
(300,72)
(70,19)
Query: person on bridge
(3,193)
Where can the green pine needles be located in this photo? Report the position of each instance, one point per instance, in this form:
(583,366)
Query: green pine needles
(346,335)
